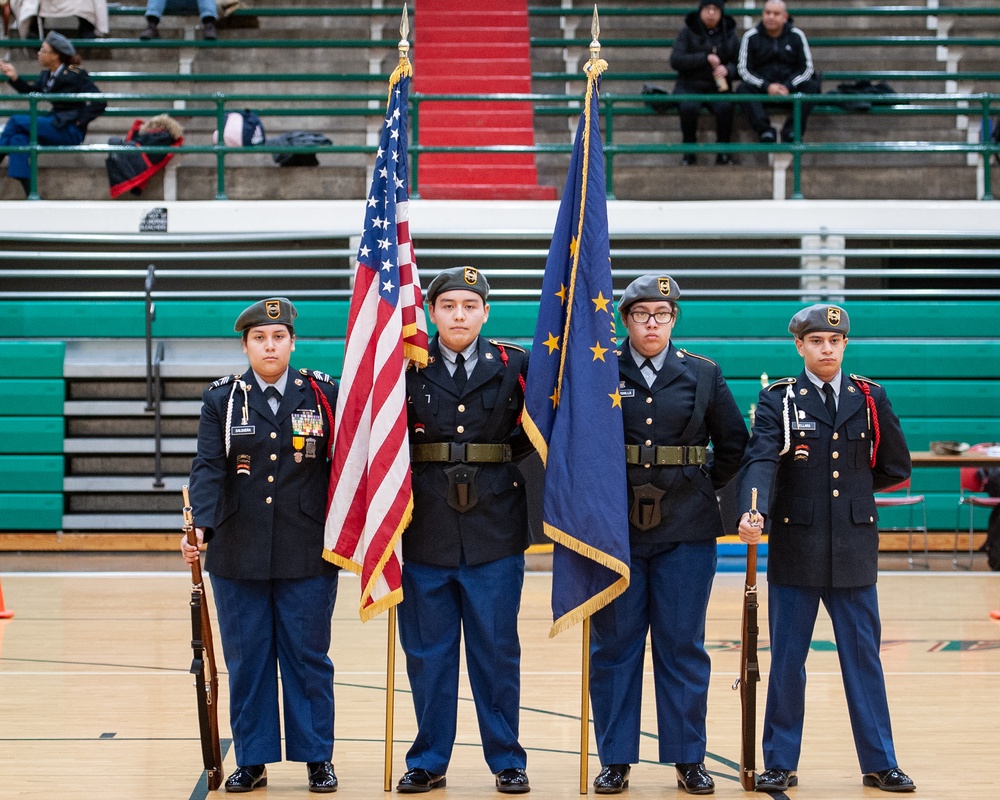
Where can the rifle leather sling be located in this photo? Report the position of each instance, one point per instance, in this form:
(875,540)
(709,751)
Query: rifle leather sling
(461,452)
(665,456)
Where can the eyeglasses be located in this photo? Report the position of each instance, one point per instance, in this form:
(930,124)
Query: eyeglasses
(642,317)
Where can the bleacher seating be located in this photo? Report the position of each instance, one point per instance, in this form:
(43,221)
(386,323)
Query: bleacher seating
(918,49)
(938,361)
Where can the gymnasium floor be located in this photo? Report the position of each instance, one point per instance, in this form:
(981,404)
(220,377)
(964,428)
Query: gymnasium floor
(96,700)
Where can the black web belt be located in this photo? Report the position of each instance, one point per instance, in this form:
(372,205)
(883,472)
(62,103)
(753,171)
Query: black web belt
(672,456)
(461,452)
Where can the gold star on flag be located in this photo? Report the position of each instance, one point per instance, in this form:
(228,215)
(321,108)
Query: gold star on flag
(598,351)
(600,302)
(554,397)
(574,245)
(552,343)
(561,294)
(616,399)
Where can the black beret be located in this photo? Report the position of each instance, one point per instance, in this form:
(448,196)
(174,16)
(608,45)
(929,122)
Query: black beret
(468,278)
(60,43)
(649,287)
(273,311)
(819,317)
(720,3)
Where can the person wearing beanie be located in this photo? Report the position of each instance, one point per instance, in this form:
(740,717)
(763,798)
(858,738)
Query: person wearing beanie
(66,123)
(259,486)
(822,444)
(704,57)
(463,551)
(677,409)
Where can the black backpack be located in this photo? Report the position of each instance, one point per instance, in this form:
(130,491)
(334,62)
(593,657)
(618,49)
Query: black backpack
(298,139)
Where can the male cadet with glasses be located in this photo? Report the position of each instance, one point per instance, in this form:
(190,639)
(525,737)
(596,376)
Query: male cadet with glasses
(674,405)
(463,552)
(822,444)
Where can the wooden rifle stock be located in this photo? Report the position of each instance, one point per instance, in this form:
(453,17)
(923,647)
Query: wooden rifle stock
(206,681)
(749,666)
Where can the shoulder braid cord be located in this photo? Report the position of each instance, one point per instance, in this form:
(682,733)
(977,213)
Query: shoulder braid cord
(229,411)
(872,419)
(322,401)
(520,378)
(784,418)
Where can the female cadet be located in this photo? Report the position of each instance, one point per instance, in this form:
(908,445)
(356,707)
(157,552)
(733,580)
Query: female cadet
(258,489)
(674,404)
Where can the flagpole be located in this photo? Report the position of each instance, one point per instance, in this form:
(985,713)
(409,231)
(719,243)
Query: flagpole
(390,654)
(595,54)
(390,695)
(585,707)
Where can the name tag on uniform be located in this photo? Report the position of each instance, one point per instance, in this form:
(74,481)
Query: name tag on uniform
(242,430)
(627,392)
(804,425)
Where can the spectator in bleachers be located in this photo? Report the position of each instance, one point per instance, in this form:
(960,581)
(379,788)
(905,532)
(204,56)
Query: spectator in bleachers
(775,60)
(67,123)
(91,16)
(205,9)
(704,57)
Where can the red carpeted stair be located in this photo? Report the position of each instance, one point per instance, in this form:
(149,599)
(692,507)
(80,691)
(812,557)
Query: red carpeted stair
(478,48)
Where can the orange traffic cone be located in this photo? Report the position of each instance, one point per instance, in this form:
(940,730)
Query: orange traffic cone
(4,613)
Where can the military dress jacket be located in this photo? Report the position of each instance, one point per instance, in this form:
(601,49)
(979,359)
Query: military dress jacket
(263,506)
(68,80)
(658,416)
(818,498)
(497,525)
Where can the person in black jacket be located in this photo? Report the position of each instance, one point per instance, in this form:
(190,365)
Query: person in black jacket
(259,487)
(463,552)
(704,57)
(775,60)
(68,120)
(675,404)
(822,444)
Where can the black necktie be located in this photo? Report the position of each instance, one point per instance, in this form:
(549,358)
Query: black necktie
(460,375)
(647,364)
(270,392)
(831,404)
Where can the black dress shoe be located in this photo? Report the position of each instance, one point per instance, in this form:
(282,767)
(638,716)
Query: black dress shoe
(693,779)
(724,159)
(612,779)
(512,781)
(889,780)
(321,776)
(689,159)
(246,779)
(768,136)
(420,780)
(776,780)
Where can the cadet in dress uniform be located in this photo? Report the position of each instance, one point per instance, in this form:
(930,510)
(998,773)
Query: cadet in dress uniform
(67,123)
(259,487)
(674,404)
(822,444)
(463,552)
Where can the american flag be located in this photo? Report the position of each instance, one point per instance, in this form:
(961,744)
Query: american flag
(370,496)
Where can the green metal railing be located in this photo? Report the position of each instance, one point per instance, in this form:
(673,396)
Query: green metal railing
(613,107)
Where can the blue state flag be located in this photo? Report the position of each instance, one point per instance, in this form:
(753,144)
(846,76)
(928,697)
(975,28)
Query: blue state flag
(573,409)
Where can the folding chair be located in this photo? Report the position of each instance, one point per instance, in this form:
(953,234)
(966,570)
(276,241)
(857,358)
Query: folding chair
(900,497)
(971,480)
